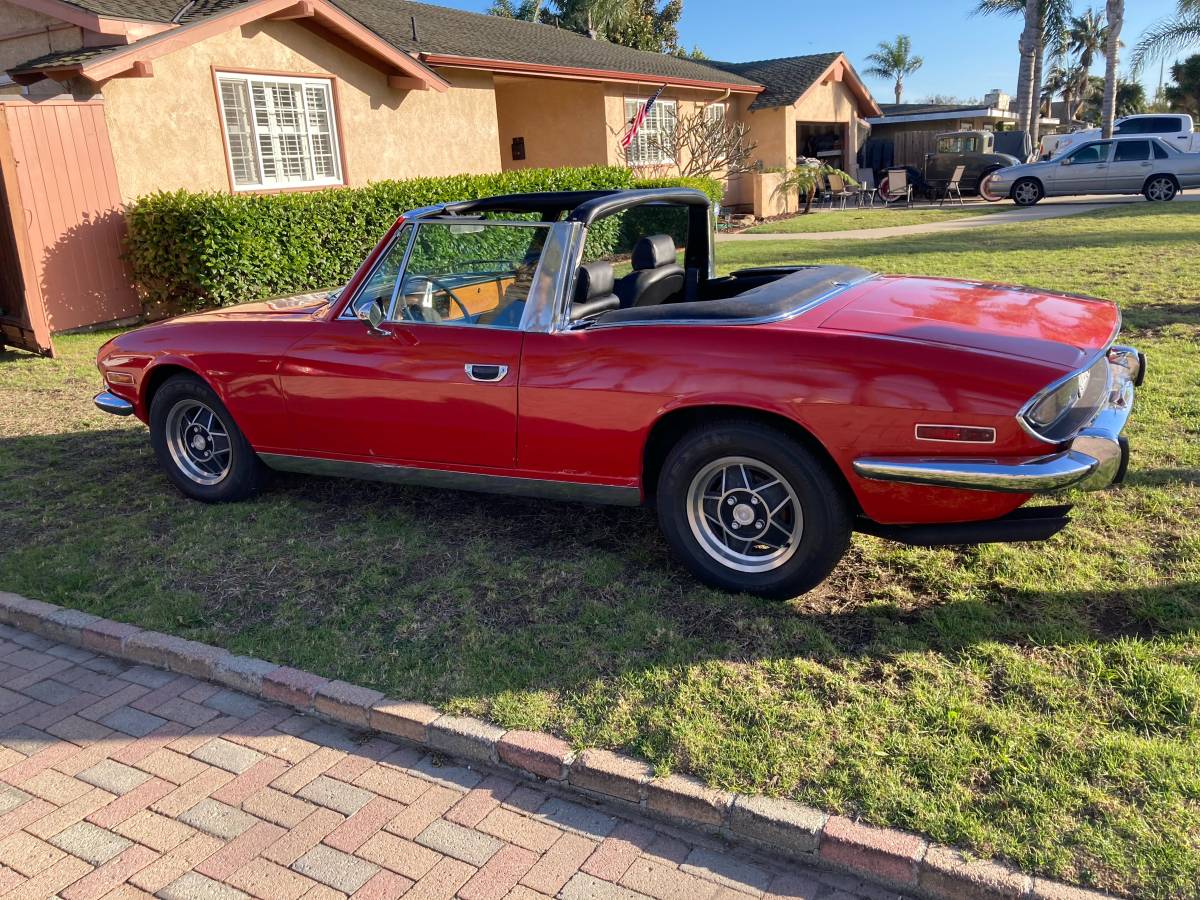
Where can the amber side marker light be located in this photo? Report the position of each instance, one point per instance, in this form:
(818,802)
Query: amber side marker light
(961,434)
(119,378)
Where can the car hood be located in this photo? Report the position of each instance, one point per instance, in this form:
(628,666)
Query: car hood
(1064,330)
(298,306)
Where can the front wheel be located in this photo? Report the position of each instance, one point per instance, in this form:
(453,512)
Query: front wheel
(1160,188)
(747,508)
(985,188)
(199,445)
(1027,192)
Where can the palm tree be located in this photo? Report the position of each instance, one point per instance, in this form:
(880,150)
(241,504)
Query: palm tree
(1115,14)
(1086,37)
(1169,35)
(894,61)
(1050,29)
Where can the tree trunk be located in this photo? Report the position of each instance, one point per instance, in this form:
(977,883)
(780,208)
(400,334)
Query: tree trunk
(1112,56)
(1028,47)
(1068,104)
(1035,126)
(899,90)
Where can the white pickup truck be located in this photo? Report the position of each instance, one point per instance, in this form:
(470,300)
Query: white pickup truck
(1174,128)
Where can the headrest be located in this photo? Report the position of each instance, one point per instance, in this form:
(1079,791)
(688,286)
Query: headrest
(653,251)
(595,279)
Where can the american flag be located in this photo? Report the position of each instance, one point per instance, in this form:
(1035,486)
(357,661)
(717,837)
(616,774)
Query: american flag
(632,130)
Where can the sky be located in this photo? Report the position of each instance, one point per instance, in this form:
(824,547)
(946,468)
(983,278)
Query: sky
(965,56)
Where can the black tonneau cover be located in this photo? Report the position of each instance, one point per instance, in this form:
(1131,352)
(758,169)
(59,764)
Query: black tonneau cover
(777,299)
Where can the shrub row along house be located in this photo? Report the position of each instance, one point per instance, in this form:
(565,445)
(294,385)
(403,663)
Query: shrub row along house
(108,100)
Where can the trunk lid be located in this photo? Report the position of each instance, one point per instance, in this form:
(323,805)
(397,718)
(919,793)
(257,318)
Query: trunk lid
(1052,328)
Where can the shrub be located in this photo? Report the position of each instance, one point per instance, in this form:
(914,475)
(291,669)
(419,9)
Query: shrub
(189,251)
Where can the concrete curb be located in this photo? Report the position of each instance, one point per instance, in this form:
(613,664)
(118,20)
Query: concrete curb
(895,858)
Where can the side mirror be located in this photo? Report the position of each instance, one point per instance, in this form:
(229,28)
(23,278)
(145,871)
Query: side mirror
(1066,162)
(372,315)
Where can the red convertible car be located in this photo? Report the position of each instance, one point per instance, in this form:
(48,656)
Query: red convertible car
(767,414)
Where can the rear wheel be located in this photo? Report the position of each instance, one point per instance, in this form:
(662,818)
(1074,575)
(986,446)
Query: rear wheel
(1027,192)
(747,508)
(984,187)
(199,445)
(1160,188)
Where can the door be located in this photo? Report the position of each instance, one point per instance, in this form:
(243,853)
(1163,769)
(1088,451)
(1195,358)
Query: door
(1131,164)
(1083,171)
(436,383)
(22,320)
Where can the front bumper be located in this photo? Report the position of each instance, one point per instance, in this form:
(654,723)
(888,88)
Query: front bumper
(1096,457)
(111,403)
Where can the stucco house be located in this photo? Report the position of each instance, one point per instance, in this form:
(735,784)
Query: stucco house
(107,100)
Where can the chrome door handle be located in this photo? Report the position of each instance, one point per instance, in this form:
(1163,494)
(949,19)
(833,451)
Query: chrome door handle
(486,372)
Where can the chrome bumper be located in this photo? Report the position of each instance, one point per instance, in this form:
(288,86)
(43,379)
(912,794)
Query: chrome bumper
(111,403)
(1095,458)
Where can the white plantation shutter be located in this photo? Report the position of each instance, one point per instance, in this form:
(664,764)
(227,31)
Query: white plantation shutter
(647,147)
(280,132)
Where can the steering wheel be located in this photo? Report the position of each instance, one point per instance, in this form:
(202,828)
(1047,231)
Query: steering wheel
(446,289)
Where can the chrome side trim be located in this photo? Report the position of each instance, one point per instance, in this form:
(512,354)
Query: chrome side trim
(1018,476)
(111,403)
(461,481)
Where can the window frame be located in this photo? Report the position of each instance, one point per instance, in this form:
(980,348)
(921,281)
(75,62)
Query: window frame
(401,273)
(247,77)
(1144,140)
(1105,157)
(659,105)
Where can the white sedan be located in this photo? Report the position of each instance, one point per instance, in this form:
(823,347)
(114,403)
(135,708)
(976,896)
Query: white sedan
(1121,165)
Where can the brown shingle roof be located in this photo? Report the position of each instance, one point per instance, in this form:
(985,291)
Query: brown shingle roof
(785,78)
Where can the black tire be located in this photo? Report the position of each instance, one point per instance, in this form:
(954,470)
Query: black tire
(825,528)
(241,473)
(1160,188)
(1027,192)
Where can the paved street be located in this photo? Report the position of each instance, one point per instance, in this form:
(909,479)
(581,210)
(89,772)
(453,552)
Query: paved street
(126,781)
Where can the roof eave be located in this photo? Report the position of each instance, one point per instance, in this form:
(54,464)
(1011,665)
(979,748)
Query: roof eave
(581,73)
(403,70)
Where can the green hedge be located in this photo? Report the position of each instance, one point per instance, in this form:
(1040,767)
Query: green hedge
(190,251)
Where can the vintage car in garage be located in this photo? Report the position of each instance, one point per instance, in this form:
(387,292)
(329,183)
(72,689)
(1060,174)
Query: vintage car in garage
(766,414)
(1123,165)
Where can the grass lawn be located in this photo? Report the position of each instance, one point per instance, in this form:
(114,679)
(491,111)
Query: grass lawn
(1038,702)
(855,219)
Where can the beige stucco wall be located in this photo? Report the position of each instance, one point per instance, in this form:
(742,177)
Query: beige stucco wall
(166,133)
(54,35)
(562,122)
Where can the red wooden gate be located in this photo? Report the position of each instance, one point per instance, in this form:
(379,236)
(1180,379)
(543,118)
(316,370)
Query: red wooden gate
(64,198)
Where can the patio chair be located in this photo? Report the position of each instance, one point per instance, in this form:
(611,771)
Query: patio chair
(867,191)
(952,189)
(838,190)
(897,187)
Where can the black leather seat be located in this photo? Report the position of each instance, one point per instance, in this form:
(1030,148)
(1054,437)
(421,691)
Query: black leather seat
(656,277)
(594,291)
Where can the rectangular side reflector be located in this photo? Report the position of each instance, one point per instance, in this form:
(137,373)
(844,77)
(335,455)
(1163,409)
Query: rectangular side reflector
(961,434)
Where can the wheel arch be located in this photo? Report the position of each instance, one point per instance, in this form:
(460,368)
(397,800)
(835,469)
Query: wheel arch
(158,374)
(667,430)
(1171,175)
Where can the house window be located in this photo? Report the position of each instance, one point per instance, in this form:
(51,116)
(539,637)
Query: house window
(651,146)
(279,131)
(714,112)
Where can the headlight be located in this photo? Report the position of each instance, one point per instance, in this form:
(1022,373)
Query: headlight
(1058,403)
(1058,412)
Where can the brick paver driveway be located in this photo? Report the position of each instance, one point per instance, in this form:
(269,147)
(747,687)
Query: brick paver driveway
(126,781)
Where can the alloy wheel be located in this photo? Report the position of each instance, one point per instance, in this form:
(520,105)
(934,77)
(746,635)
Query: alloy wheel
(199,442)
(1027,193)
(744,514)
(1160,189)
